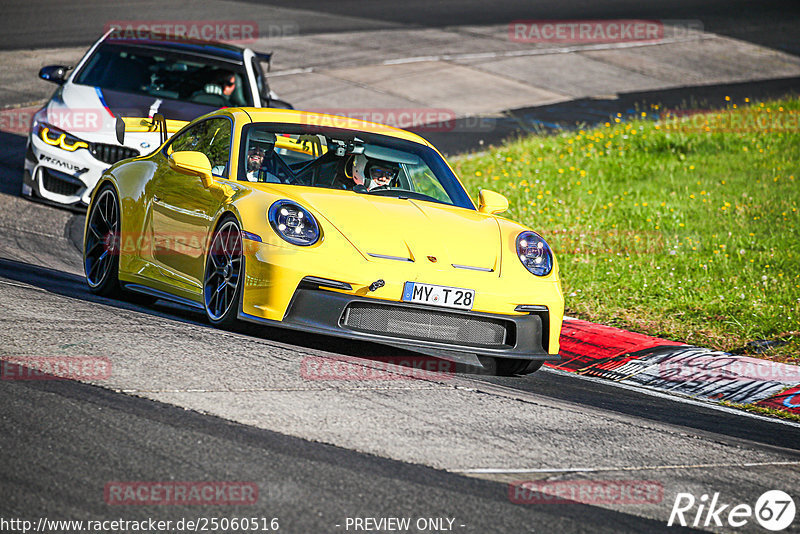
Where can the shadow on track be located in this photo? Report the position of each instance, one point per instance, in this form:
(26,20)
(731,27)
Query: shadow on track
(74,286)
(12,154)
(309,486)
(724,426)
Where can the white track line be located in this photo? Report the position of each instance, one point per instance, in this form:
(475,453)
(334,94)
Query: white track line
(504,53)
(23,286)
(490,471)
(290,72)
(539,51)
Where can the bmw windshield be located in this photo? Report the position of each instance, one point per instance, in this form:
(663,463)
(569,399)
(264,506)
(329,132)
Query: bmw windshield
(162,74)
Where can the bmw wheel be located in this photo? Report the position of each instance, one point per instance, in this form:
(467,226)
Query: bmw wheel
(222,284)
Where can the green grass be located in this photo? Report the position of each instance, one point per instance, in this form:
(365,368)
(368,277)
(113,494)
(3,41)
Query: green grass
(686,228)
(763,410)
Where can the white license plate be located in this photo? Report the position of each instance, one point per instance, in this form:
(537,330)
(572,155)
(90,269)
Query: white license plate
(449,297)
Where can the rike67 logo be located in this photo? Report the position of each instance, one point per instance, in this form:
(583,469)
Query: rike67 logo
(774,510)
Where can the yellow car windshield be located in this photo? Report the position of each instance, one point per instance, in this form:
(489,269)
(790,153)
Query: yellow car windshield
(361,162)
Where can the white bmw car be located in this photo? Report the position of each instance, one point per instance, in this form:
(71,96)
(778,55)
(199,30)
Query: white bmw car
(73,140)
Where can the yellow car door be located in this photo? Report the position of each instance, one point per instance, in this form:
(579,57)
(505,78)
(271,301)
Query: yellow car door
(183,209)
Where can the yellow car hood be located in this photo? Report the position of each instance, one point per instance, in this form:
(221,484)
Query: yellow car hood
(434,234)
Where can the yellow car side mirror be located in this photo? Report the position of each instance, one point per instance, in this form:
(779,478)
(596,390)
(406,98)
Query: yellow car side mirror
(193,164)
(491,202)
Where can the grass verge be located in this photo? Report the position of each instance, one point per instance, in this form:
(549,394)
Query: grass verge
(685,228)
(762,410)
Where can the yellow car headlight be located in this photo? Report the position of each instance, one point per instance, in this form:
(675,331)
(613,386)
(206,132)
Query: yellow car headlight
(534,253)
(293,223)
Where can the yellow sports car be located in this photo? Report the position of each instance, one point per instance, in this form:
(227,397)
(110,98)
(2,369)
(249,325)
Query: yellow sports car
(324,224)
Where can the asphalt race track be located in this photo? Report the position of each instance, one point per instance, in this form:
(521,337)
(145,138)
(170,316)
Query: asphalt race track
(770,22)
(187,402)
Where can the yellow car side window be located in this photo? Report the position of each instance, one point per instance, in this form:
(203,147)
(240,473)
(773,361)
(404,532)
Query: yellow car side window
(212,138)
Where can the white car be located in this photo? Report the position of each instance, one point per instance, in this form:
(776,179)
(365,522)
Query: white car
(73,137)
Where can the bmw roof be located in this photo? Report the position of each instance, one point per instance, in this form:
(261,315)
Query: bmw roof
(191,46)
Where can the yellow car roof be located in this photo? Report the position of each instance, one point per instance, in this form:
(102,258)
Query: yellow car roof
(293,116)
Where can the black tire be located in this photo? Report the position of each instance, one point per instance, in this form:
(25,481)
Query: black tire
(511,366)
(101,244)
(224,274)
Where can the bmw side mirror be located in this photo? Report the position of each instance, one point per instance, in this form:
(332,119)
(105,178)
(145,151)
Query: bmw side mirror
(280,104)
(54,73)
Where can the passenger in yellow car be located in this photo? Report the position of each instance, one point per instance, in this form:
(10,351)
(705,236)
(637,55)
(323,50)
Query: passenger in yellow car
(255,158)
(263,164)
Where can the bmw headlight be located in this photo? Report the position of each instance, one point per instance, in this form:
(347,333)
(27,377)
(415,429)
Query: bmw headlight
(53,135)
(293,223)
(534,253)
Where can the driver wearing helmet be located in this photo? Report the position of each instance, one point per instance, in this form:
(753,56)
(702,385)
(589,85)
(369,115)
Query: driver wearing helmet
(373,173)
